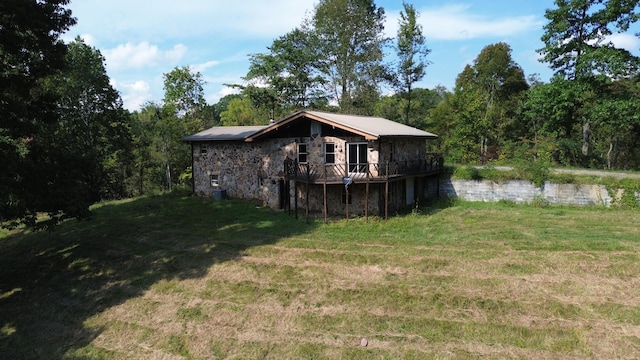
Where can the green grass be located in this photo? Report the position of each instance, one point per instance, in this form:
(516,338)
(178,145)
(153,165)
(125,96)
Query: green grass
(180,277)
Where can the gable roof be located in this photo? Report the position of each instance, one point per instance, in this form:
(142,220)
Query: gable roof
(372,128)
(224,133)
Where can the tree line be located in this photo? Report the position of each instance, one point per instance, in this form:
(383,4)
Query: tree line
(66,141)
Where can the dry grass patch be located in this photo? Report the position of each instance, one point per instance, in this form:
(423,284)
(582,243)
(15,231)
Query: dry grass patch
(467,281)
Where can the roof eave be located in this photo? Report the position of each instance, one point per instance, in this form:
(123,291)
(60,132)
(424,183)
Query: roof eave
(425,137)
(299,114)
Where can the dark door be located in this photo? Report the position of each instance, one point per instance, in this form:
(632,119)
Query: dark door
(284,192)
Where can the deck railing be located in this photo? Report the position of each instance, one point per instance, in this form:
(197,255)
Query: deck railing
(362,171)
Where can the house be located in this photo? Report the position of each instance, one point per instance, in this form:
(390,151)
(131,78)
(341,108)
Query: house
(320,162)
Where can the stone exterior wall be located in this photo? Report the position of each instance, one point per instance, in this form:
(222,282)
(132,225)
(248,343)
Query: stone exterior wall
(256,171)
(408,150)
(245,170)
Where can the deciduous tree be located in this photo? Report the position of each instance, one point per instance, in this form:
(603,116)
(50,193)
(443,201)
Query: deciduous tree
(30,52)
(241,112)
(93,125)
(183,112)
(486,101)
(412,51)
(287,78)
(350,39)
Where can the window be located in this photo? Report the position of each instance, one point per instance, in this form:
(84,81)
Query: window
(357,155)
(203,148)
(214,180)
(316,129)
(303,153)
(329,153)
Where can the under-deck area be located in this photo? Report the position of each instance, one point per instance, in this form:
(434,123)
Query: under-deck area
(372,178)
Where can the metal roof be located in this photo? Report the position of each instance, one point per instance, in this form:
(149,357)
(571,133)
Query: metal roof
(224,133)
(375,126)
(372,128)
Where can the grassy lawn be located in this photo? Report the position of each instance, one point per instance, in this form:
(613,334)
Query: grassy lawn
(174,277)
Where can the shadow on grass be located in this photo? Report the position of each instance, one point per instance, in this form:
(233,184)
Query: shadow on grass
(51,283)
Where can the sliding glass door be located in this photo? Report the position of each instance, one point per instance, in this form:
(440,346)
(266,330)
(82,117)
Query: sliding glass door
(357,158)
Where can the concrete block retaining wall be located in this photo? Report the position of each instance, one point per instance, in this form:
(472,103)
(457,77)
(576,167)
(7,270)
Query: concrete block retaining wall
(522,192)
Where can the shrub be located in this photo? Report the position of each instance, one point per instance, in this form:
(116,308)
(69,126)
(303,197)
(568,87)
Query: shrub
(467,173)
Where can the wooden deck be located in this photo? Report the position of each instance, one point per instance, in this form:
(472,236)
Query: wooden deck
(362,172)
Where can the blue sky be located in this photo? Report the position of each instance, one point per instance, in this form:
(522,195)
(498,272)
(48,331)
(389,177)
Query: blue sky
(142,40)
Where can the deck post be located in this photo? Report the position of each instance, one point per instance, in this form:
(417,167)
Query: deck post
(295,198)
(386,200)
(324,196)
(287,191)
(347,200)
(307,205)
(366,202)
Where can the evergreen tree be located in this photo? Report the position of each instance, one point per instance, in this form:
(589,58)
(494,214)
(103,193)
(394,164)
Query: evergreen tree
(588,66)
(577,38)
(412,51)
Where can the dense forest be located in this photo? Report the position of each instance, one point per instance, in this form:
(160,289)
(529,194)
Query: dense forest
(67,142)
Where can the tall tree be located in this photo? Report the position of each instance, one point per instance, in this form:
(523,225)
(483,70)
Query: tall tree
(578,47)
(184,92)
(486,99)
(616,120)
(183,113)
(30,52)
(577,38)
(287,78)
(142,138)
(351,39)
(424,101)
(412,52)
(222,105)
(92,123)
(241,112)
(551,111)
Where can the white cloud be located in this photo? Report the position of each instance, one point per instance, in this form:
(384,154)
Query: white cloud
(143,54)
(457,22)
(135,94)
(202,67)
(628,42)
(227,90)
(89,39)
